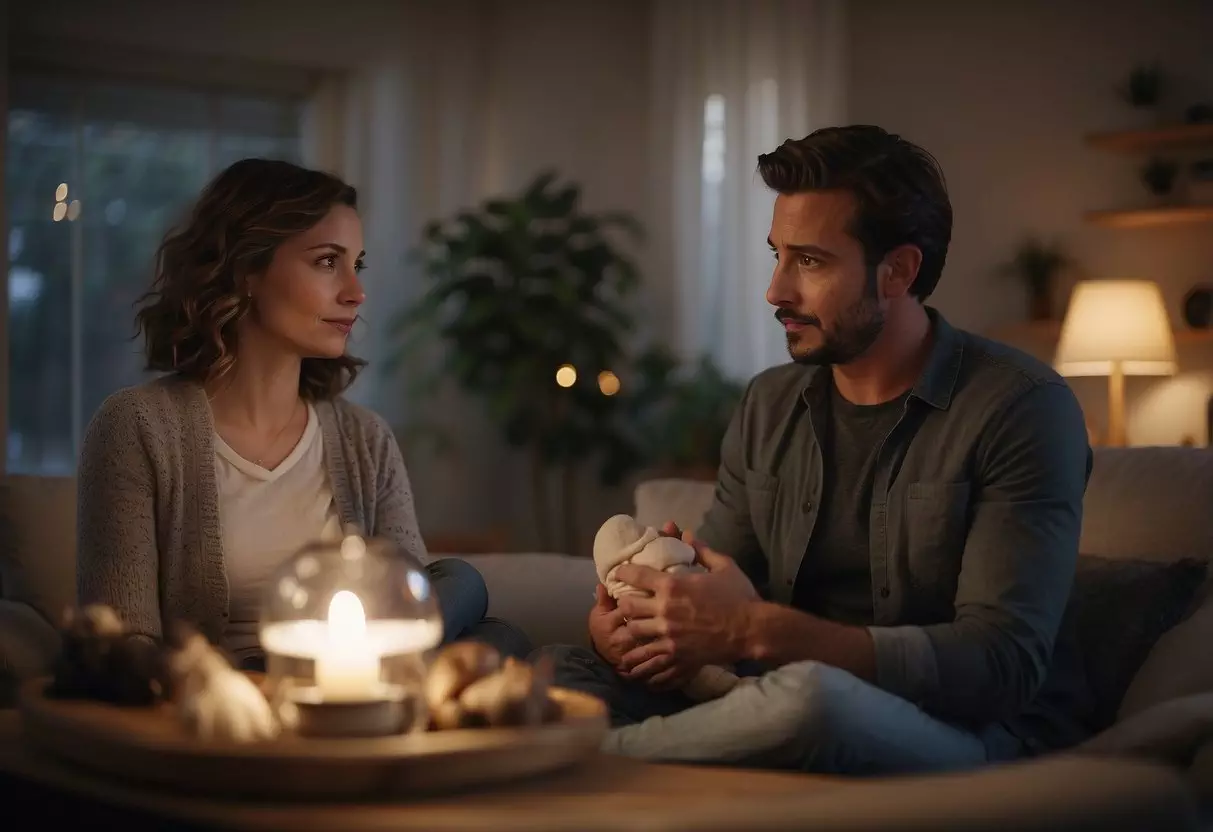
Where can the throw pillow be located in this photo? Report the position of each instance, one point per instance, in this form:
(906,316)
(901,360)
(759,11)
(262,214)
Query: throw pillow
(1119,609)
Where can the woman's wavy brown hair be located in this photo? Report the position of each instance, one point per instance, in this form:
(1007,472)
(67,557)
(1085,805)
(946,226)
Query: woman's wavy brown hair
(200,291)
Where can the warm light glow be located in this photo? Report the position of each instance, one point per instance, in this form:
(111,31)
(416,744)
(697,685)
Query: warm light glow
(61,192)
(347,620)
(60,211)
(1116,322)
(608,383)
(566,376)
(353,547)
(347,668)
(308,638)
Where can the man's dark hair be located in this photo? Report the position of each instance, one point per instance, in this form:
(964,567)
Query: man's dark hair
(899,187)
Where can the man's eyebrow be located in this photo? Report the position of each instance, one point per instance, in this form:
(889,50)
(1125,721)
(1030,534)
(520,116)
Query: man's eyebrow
(337,247)
(805,248)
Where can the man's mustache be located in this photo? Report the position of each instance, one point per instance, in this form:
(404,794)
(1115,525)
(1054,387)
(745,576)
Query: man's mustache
(783,315)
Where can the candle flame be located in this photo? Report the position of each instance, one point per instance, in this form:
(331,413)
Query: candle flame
(347,620)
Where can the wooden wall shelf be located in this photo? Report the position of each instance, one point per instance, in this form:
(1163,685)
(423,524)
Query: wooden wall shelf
(1051,331)
(1158,138)
(1150,217)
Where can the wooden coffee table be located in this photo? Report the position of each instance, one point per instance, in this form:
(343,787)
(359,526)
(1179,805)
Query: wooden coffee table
(605,793)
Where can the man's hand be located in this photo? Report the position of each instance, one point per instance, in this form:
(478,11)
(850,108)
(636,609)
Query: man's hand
(691,620)
(608,630)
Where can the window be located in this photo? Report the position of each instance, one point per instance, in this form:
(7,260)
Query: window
(96,174)
(734,324)
(712,208)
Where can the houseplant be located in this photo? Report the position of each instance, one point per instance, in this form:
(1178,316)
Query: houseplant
(680,413)
(1143,89)
(1038,265)
(1159,176)
(515,290)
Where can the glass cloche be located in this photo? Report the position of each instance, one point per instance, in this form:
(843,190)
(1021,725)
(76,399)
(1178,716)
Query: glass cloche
(347,622)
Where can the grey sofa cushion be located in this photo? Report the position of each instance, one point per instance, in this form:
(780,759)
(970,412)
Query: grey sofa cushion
(28,646)
(546,596)
(38,552)
(1119,609)
(1149,504)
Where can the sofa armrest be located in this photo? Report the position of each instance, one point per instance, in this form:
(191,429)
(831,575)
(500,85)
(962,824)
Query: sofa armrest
(29,643)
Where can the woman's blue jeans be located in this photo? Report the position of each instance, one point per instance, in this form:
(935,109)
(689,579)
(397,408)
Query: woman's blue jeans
(464,600)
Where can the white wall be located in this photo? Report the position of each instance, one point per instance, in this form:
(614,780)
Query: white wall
(1002,94)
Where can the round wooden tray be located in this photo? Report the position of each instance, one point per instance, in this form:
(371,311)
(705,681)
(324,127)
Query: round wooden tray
(148,746)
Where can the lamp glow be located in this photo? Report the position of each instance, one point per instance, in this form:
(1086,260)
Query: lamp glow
(347,622)
(1116,328)
(347,667)
(608,383)
(566,375)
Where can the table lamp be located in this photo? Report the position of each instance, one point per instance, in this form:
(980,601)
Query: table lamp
(1116,328)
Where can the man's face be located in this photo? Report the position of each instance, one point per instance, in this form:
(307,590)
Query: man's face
(825,296)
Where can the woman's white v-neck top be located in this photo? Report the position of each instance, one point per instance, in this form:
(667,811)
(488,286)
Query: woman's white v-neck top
(265,517)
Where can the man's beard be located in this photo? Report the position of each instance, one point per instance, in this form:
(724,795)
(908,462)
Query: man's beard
(856,329)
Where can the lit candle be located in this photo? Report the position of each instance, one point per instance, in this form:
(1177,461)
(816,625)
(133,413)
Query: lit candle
(347,665)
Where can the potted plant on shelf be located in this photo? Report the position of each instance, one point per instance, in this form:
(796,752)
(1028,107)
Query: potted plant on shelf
(1143,91)
(1038,264)
(1159,176)
(526,307)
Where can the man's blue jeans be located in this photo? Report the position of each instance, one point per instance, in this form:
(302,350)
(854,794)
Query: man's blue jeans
(807,716)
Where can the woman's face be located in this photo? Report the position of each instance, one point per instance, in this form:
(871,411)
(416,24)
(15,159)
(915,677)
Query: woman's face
(309,296)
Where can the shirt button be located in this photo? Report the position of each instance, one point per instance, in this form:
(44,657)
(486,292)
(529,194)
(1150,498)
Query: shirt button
(808,505)
(884,592)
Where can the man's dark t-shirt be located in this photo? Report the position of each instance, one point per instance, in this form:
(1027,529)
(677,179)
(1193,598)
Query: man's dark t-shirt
(835,579)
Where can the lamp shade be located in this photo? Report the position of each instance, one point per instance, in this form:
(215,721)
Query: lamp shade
(1112,323)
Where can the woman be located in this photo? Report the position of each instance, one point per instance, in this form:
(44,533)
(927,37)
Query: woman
(195,486)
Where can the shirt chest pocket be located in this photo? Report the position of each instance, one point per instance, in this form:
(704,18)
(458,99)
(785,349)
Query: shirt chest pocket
(937,524)
(761,492)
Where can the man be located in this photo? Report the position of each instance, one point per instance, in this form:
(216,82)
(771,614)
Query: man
(895,526)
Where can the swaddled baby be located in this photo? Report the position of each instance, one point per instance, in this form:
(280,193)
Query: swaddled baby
(622,540)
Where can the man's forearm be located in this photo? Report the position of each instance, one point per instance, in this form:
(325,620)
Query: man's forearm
(779,635)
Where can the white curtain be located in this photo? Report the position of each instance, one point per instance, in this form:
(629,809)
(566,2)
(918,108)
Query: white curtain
(733,79)
(407,128)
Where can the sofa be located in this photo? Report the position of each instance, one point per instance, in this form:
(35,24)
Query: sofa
(1146,510)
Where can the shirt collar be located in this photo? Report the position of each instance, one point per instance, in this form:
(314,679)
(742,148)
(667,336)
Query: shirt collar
(937,382)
